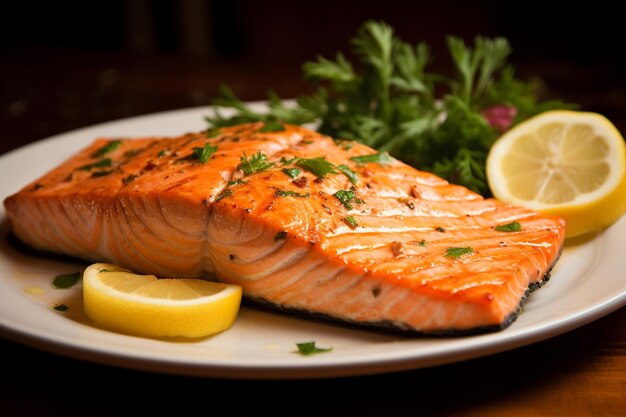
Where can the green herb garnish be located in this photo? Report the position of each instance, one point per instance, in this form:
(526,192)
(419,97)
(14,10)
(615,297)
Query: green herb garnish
(225,193)
(272,127)
(318,166)
(237,182)
(282,235)
(131,152)
(100,173)
(348,173)
(257,163)
(211,133)
(389,99)
(309,348)
(106,162)
(66,280)
(292,172)
(351,221)
(129,179)
(509,227)
(108,148)
(422,242)
(286,161)
(289,193)
(162,153)
(347,197)
(203,154)
(456,253)
(60,307)
(378,158)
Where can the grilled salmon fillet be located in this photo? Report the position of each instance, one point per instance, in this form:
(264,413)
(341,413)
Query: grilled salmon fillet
(302,222)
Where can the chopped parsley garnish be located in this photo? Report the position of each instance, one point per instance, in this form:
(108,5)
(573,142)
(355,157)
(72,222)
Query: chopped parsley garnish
(309,348)
(457,252)
(129,179)
(256,163)
(351,221)
(509,227)
(106,162)
(162,153)
(211,133)
(282,235)
(131,152)
(292,172)
(66,280)
(318,166)
(108,148)
(378,158)
(288,193)
(422,242)
(272,127)
(237,182)
(348,173)
(226,193)
(347,197)
(100,173)
(60,307)
(203,154)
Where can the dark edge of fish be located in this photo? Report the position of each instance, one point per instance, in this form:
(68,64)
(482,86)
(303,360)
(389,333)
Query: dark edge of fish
(392,328)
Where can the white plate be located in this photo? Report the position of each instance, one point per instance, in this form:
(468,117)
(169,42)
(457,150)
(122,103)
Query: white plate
(587,284)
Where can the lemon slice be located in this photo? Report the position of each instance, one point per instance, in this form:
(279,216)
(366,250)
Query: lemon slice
(567,163)
(143,305)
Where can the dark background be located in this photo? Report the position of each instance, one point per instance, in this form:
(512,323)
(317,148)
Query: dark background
(70,64)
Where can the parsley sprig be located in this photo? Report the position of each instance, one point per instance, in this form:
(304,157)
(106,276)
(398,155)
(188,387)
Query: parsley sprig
(203,154)
(396,105)
(256,163)
(309,348)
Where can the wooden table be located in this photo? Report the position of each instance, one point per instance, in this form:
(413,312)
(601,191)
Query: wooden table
(580,373)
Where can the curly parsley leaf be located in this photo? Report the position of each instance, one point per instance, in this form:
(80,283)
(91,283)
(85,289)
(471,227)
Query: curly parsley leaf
(351,221)
(378,158)
(203,154)
(292,172)
(272,126)
(108,148)
(289,193)
(106,162)
(318,166)
(347,197)
(309,348)
(256,163)
(225,193)
(457,252)
(509,227)
(348,173)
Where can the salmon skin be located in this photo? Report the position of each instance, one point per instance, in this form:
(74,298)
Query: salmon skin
(304,223)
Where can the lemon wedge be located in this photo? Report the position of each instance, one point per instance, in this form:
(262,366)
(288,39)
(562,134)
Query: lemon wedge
(568,163)
(143,305)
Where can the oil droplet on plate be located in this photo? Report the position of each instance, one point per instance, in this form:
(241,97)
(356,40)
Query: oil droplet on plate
(270,346)
(34,290)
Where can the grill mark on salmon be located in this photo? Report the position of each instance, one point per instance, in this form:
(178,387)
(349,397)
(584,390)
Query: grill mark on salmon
(286,241)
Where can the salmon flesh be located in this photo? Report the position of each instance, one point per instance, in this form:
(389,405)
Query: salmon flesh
(304,223)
